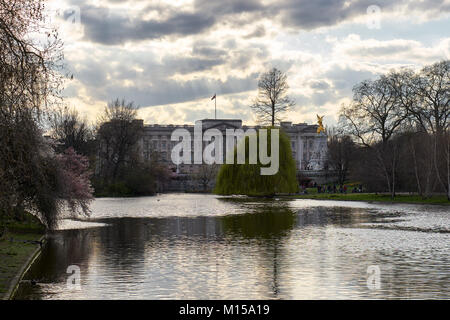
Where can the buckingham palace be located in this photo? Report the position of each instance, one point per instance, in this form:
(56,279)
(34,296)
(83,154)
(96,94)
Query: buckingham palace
(309,148)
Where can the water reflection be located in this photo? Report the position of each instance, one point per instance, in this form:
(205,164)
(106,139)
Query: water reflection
(243,249)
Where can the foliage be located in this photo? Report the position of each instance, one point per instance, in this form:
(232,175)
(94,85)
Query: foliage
(401,122)
(206,175)
(272,221)
(74,184)
(246,179)
(32,177)
(371,197)
(13,255)
(341,153)
(121,169)
(141,180)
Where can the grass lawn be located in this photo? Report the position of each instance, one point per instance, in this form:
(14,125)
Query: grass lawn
(402,198)
(13,255)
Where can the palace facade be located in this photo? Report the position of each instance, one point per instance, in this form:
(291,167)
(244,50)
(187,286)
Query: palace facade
(309,148)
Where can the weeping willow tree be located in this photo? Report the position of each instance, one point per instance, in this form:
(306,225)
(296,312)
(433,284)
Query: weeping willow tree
(246,179)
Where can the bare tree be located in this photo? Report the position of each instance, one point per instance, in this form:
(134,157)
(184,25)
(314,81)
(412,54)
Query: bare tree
(446,148)
(206,175)
(29,69)
(432,88)
(425,96)
(118,134)
(421,151)
(374,117)
(70,130)
(119,110)
(272,99)
(341,150)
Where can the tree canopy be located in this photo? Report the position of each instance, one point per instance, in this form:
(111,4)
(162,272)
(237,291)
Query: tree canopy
(246,179)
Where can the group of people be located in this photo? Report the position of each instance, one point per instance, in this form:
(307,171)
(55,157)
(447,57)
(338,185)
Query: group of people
(334,188)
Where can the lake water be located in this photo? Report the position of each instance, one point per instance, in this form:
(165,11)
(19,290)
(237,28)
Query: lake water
(189,246)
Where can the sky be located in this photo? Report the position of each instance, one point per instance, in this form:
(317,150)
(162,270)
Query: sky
(171,56)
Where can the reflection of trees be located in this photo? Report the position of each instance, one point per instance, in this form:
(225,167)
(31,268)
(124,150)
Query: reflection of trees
(339,216)
(269,223)
(271,249)
(62,249)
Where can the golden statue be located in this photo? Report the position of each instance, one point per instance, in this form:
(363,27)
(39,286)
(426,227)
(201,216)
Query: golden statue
(320,122)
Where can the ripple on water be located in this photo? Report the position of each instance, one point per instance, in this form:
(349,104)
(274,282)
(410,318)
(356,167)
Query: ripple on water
(184,246)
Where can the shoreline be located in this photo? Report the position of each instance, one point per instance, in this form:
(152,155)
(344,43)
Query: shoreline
(15,281)
(373,198)
(364,197)
(20,246)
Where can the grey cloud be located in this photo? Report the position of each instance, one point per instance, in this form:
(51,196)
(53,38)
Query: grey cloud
(230,44)
(208,51)
(259,32)
(191,64)
(383,50)
(154,86)
(91,73)
(308,14)
(111,28)
(103,26)
(339,84)
(346,78)
(319,85)
(168,91)
(313,14)
(220,7)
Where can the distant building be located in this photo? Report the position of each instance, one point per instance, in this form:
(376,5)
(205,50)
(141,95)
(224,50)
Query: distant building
(308,147)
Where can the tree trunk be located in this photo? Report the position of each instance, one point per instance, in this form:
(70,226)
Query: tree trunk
(430,181)
(419,187)
(393,173)
(273,115)
(438,174)
(385,170)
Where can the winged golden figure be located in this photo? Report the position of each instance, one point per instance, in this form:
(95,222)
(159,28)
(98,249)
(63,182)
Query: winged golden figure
(320,123)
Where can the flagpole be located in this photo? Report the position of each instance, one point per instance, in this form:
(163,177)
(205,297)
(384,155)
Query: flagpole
(215,108)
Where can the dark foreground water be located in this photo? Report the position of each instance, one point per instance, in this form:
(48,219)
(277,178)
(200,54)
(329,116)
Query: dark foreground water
(182,246)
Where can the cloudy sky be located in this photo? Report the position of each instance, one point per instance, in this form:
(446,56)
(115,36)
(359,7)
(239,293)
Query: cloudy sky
(171,56)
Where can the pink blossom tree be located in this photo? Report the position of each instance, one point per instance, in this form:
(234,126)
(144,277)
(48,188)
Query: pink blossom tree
(74,183)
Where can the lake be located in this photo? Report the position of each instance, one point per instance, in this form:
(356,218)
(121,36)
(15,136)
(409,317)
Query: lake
(193,246)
